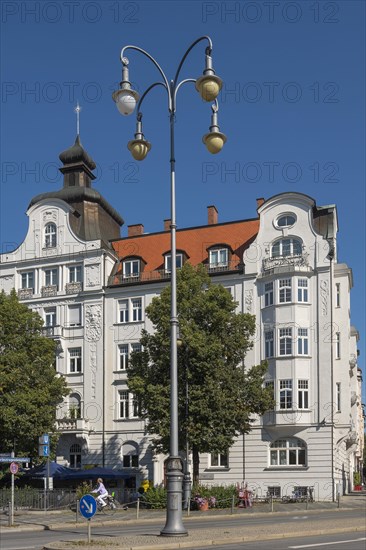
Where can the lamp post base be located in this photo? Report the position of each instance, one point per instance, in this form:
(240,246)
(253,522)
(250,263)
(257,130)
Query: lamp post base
(174,525)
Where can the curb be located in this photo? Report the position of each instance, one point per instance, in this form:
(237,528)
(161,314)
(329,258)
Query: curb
(227,540)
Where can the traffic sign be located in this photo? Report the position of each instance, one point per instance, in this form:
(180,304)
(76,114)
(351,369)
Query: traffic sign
(43,450)
(14,468)
(44,439)
(88,506)
(14,459)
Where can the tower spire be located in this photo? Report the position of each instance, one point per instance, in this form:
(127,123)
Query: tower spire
(77,111)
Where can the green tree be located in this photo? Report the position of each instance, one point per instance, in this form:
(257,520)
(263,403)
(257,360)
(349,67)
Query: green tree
(223,396)
(30,389)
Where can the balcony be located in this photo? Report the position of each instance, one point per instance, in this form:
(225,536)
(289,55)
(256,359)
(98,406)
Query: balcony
(73,288)
(25,293)
(281,264)
(72,425)
(164,275)
(48,291)
(52,331)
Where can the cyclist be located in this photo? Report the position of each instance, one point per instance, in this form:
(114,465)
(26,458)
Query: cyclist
(102,492)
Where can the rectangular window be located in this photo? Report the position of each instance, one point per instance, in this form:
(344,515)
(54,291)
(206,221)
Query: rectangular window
(75,315)
(338,396)
(168,262)
(50,317)
(285,291)
(219,460)
(130,461)
(303,394)
(51,277)
(338,345)
(274,491)
(131,268)
(285,341)
(75,274)
(285,394)
(268,343)
(269,384)
(302,341)
(28,280)
(338,294)
(219,257)
(268,294)
(136,309)
(302,290)
(123,311)
(75,360)
(123,404)
(123,356)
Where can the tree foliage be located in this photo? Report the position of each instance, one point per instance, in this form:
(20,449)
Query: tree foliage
(30,389)
(223,395)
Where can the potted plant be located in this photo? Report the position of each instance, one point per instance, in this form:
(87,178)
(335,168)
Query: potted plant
(201,502)
(357,481)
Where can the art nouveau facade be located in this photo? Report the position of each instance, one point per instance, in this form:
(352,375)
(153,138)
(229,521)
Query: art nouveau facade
(92,287)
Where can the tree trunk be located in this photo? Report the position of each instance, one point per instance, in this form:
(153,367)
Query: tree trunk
(196,464)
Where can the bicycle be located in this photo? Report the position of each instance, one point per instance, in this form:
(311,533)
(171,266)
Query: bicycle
(110,507)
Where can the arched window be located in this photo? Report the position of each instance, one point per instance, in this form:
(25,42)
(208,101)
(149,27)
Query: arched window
(50,233)
(75,456)
(286,247)
(130,455)
(288,452)
(74,406)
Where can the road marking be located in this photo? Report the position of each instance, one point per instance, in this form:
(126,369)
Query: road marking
(327,543)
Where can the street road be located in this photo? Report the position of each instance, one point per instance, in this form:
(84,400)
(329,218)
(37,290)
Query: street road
(35,540)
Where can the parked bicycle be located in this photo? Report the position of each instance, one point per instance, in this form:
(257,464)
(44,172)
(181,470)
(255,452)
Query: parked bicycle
(299,495)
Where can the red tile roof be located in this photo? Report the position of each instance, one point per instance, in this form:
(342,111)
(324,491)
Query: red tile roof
(194,241)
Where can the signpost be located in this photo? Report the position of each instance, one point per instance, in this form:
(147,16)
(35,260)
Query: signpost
(44,451)
(14,470)
(88,507)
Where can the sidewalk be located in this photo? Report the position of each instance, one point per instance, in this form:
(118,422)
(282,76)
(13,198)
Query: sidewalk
(59,520)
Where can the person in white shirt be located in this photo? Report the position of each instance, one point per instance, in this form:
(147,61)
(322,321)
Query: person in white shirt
(102,492)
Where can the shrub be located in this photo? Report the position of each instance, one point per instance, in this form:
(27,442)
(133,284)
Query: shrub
(155,497)
(356,478)
(218,496)
(84,489)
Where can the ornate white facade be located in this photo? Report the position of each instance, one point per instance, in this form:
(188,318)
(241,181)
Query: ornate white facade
(92,287)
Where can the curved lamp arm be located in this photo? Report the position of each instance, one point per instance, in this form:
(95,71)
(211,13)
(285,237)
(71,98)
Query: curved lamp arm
(208,52)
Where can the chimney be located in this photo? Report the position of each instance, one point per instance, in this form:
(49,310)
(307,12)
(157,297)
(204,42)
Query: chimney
(167,224)
(260,202)
(134,230)
(212,215)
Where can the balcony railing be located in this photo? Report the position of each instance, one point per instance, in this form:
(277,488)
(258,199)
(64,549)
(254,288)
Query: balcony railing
(72,424)
(73,288)
(293,261)
(25,293)
(47,291)
(163,274)
(52,330)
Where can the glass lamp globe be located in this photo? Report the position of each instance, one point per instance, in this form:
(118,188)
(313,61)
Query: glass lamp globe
(209,87)
(125,101)
(214,142)
(139,148)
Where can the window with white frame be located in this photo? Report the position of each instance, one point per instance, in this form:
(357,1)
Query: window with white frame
(75,456)
(337,345)
(168,262)
(51,277)
(50,317)
(268,343)
(302,290)
(285,340)
(219,460)
(302,341)
(303,394)
(128,405)
(75,360)
(131,268)
(338,396)
(288,452)
(286,247)
(27,280)
(130,310)
(125,351)
(74,315)
(130,455)
(286,220)
(75,274)
(285,394)
(269,385)
(50,235)
(285,290)
(268,294)
(219,257)
(338,294)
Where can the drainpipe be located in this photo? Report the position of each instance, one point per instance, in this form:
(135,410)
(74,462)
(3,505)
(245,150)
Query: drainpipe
(103,361)
(332,373)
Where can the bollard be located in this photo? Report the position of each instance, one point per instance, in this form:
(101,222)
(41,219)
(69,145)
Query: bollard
(338,500)
(307,501)
(271,503)
(77,510)
(232,504)
(189,507)
(10,514)
(138,508)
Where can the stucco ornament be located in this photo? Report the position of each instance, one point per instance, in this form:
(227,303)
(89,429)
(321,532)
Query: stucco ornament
(93,322)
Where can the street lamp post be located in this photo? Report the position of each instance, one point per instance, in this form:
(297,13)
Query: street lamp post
(126,100)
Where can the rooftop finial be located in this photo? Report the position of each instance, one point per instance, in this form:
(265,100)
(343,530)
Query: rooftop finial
(77,111)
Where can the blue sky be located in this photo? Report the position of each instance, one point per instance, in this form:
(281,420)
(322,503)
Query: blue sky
(292,107)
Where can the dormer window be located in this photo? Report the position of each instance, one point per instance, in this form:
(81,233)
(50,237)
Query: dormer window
(131,268)
(50,235)
(168,262)
(285,220)
(219,257)
(286,247)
